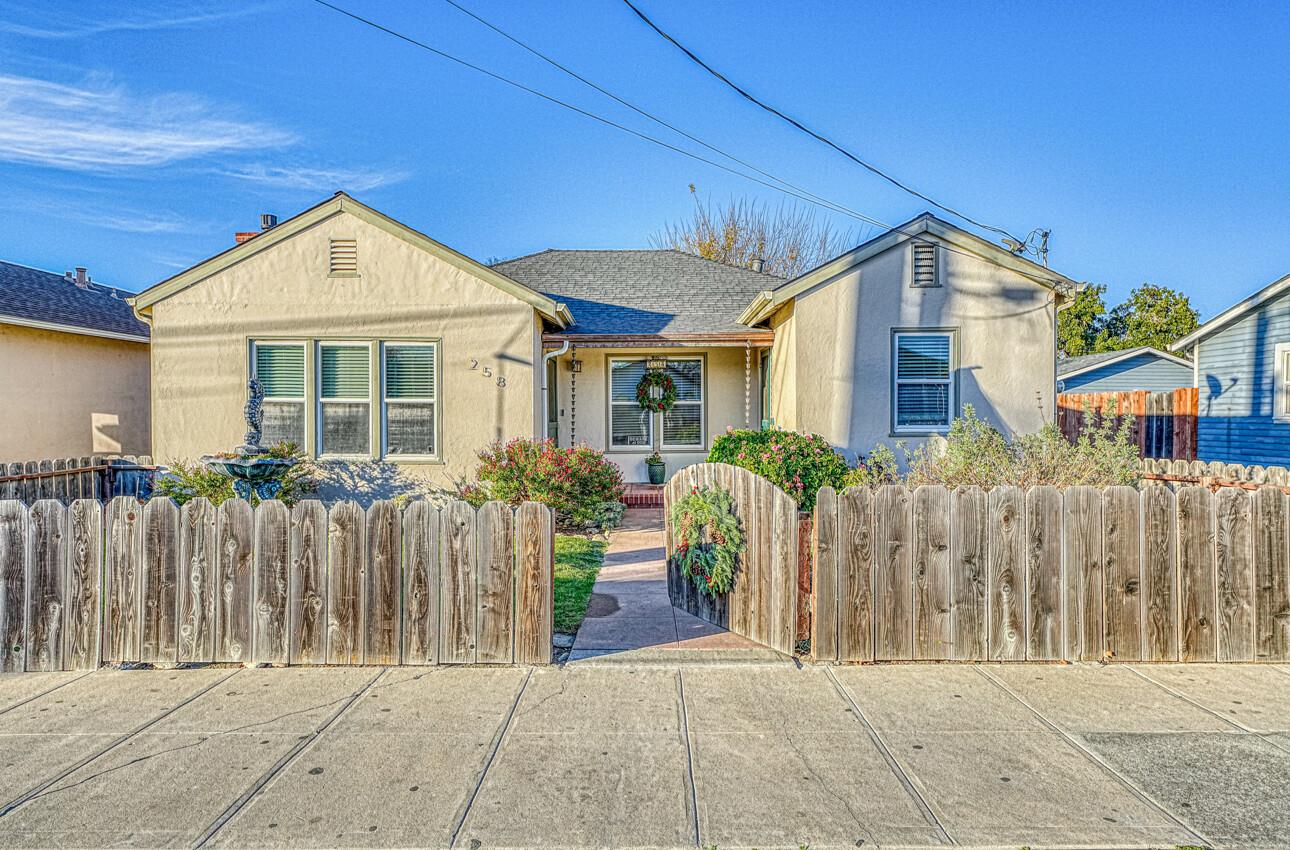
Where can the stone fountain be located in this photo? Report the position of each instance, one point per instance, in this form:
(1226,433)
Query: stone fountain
(249,467)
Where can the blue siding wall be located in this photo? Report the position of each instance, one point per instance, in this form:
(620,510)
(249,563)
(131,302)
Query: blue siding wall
(1237,369)
(1140,372)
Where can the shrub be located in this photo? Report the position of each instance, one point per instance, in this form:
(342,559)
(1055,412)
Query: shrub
(185,480)
(878,468)
(800,464)
(579,484)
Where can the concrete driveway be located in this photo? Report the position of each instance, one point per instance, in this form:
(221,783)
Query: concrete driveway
(742,755)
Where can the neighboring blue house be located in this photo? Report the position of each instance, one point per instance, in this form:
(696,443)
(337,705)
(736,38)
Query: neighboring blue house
(1243,372)
(1142,368)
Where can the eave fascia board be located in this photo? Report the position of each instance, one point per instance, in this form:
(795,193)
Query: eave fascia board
(1127,354)
(1232,313)
(37,324)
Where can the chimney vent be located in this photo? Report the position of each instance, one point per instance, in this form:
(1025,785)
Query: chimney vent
(243,235)
(268,221)
(82,279)
(758,264)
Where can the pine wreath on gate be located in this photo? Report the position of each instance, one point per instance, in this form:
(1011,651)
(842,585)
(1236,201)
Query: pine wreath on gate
(656,378)
(708,539)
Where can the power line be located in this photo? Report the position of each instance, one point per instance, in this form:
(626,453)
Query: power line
(819,137)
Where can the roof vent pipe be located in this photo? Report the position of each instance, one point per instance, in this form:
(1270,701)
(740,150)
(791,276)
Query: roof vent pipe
(268,221)
(82,279)
(758,264)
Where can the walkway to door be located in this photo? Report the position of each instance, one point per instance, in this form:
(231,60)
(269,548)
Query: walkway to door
(630,616)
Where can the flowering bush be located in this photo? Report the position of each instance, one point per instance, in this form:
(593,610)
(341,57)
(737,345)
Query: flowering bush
(184,480)
(579,484)
(800,464)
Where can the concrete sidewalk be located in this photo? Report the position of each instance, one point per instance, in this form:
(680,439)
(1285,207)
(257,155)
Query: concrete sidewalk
(649,756)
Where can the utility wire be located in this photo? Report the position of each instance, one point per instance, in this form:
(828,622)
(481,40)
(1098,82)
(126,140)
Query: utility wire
(800,126)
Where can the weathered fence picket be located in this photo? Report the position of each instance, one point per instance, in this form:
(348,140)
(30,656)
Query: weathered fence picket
(1119,574)
(128,583)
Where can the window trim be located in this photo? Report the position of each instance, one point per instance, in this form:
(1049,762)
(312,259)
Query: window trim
(385,403)
(252,370)
(319,345)
(656,419)
(1281,390)
(898,430)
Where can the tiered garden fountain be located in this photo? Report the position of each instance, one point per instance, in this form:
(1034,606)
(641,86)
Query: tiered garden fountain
(251,469)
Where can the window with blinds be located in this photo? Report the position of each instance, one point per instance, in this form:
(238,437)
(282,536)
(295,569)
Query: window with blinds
(629,425)
(924,263)
(923,381)
(1281,397)
(342,260)
(280,369)
(410,399)
(683,424)
(344,399)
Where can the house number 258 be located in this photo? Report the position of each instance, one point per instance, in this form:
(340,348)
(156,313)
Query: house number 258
(487,372)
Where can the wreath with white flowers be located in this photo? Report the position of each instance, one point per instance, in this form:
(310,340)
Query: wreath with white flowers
(708,539)
(667,398)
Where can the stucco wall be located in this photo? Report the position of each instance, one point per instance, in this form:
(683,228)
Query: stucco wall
(841,351)
(723,398)
(70,395)
(200,339)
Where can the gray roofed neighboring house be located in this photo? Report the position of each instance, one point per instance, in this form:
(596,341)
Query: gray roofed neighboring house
(42,299)
(1141,368)
(641,292)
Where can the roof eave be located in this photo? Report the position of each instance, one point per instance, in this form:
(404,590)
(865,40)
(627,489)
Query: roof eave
(37,324)
(1127,354)
(1263,296)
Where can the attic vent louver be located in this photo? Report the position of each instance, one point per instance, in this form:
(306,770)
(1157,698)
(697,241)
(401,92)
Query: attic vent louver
(925,264)
(343,258)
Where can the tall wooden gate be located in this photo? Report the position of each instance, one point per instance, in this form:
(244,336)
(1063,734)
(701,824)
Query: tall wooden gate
(762,604)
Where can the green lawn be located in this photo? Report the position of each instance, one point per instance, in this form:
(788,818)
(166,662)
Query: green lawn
(577,560)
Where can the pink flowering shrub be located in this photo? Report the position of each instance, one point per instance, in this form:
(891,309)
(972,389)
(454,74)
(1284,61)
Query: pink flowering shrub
(799,464)
(579,484)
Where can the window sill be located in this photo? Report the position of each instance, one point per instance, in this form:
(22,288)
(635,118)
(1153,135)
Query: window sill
(420,459)
(335,275)
(932,433)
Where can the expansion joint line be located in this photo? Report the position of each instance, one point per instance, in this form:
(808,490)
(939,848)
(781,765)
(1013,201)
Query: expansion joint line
(1235,724)
(1095,758)
(46,692)
(281,764)
(689,759)
(894,766)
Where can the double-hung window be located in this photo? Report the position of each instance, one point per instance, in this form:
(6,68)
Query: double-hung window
(1281,394)
(280,369)
(683,424)
(409,399)
(344,399)
(629,425)
(922,381)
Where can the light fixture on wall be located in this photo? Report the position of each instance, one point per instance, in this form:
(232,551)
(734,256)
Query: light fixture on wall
(655,363)
(575,365)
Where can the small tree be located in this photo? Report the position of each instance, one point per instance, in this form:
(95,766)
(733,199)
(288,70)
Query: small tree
(1152,315)
(788,239)
(1080,322)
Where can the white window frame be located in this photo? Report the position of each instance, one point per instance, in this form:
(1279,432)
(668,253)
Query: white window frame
(319,345)
(951,381)
(386,401)
(1281,392)
(303,400)
(703,412)
(609,410)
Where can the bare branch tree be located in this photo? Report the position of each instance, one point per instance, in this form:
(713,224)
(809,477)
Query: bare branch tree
(788,238)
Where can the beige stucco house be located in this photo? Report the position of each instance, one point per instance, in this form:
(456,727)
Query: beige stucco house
(75,368)
(376,343)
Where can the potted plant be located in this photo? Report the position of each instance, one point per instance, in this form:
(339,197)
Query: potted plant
(657,468)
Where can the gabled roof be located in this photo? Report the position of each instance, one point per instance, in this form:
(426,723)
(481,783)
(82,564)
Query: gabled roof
(550,310)
(641,292)
(1236,311)
(39,299)
(1071,366)
(766,302)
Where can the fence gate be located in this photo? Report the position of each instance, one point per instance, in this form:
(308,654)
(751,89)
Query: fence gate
(762,604)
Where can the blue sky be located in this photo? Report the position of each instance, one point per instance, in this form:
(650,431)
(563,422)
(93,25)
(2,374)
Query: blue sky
(1151,138)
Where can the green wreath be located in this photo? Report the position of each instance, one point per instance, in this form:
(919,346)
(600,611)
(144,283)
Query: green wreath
(656,378)
(708,540)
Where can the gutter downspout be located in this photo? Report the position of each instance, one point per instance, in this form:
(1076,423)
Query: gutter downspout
(546,395)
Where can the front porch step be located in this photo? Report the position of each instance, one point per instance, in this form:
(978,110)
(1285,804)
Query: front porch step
(644,496)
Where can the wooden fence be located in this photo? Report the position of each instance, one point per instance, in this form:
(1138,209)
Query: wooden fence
(762,605)
(1164,423)
(68,479)
(1042,575)
(1215,473)
(154,583)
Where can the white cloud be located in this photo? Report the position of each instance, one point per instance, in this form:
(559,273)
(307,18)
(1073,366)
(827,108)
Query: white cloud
(318,179)
(99,126)
(77,24)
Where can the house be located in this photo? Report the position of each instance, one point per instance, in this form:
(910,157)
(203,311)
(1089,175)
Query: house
(75,376)
(1242,369)
(1141,368)
(374,342)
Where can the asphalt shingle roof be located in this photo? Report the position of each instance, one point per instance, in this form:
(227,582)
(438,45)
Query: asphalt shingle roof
(640,291)
(1074,364)
(27,293)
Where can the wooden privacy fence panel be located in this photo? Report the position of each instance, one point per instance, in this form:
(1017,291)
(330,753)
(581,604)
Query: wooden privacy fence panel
(128,582)
(1164,423)
(1083,574)
(762,604)
(1215,473)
